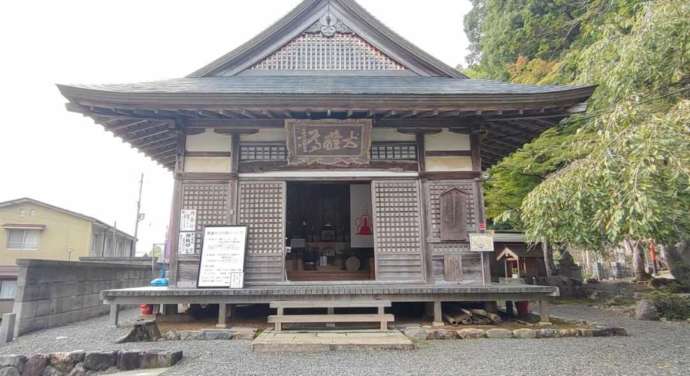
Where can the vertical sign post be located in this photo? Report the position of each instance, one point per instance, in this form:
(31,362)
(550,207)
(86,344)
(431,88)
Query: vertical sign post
(482,242)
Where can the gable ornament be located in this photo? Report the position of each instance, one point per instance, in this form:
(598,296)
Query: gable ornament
(329,25)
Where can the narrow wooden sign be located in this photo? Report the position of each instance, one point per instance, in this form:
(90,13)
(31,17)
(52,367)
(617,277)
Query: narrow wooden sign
(222,257)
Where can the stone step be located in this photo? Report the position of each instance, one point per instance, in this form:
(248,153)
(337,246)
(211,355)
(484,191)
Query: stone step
(322,341)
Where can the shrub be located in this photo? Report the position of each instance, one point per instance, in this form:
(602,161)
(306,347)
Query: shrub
(671,306)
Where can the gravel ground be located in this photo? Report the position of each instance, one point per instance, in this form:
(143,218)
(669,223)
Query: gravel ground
(653,348)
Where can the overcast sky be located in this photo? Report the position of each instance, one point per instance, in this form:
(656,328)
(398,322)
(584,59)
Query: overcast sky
(65,159)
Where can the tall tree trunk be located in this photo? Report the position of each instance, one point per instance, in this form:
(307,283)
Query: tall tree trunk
(638,259)
(548,257)
(678,259)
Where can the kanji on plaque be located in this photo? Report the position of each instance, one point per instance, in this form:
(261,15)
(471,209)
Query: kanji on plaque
(329,142)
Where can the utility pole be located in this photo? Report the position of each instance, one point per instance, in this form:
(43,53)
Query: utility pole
(139,215)
(113,244)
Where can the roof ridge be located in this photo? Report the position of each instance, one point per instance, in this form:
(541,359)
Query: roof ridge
(244,55)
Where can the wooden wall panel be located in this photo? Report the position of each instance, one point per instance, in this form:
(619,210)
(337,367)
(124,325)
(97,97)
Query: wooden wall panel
(187,272)
(472,267)
(210,200)
(434,189)
(452,268)
(261,206)
(453,211)
(398,230)
(459,264)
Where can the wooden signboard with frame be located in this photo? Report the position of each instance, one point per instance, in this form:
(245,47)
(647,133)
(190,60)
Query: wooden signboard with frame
(222,257)
(329,142)
(481,242)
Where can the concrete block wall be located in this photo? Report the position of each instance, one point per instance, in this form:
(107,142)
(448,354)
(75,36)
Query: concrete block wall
(56,293)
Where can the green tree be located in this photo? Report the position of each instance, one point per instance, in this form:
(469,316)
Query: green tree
(632,183)
(626,179)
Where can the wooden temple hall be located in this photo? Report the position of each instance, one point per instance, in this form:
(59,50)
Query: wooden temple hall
(354,158)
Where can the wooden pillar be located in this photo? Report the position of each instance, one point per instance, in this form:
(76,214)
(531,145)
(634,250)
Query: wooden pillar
(381,312)
(544,312)
(222,316)
(174,230)
(114,314)
(280,312)
(330,311)
(438,314)
(234,180)
(475,147)
(169,309)
(491,307)
(476,151)
(510,310)
(420,139)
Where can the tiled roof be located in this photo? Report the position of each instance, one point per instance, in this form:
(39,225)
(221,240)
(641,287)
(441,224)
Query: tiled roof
(327,85)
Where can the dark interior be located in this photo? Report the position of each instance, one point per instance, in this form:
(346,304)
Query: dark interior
(319,234)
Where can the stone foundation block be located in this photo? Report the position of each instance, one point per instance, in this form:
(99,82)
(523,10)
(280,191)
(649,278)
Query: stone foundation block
(100,361)
(471,333)
(525,333)
(417,333)
(35,365)
(129,360)
(65,361)
(442,334)
(78,370)
(567,333)
(547,333)
(243,333)
(13,361)
(499,333)
(217,334)
(160,358)
(9,371)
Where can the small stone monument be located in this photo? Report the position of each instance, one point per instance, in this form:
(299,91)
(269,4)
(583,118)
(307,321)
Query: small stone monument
(143,331)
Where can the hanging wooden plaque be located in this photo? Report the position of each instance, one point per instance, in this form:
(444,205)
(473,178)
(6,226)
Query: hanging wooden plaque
(328,142)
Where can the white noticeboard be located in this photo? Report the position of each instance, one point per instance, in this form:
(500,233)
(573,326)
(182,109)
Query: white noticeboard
(188,220)
(187,243)
(481,243)
(222,257)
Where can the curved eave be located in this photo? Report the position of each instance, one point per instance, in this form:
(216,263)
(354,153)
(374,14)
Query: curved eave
(203,100)
(149,120)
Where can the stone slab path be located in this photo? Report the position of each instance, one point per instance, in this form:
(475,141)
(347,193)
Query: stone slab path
(320,341)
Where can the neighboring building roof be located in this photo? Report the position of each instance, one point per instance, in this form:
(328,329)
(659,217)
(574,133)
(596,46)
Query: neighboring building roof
(519,252)
(26,200)
(509,237)
(22,226)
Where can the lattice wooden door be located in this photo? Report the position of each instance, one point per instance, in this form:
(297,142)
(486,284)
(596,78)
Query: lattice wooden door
(397,230)
(261,206)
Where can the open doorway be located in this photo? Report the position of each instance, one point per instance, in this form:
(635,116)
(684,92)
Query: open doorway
(329,231)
